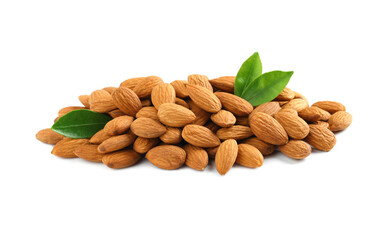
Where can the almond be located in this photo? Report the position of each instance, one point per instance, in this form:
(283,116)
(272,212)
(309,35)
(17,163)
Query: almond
(295,126)
(174,115)
(196,157)
(201,116)
(99,137)
(167,157)
(225,84)
(101,101)
(263,147)
(204,98)
(200,136)
(286,95)
(49,136)
(223,118)
(270,108)
(121,159)
(148,112)
(146,102)
(235,104)
(289,110)
(200,80)
(242,121)
(180,88)
(321,138)
(297,104)
(85,100)
(118,125)
(226,156)
(144,88)
(249,156)
(162,93)
(116,113)
(109,89)
(147,128)
(89,152)
(237,132)
(313,114)
(116,143)
(212,151)
(321,123)
(131,83)
(281,103)
(66,110)
(268,129)
(339,121)
(127,101)
(172,136)
(181,102)
(330,106)
(142,145)
(67,146)
(299,95)
(212,126)
(296,149)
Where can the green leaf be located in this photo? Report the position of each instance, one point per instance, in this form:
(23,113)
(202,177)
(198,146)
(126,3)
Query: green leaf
(80,123)
(248,72)
(266,87)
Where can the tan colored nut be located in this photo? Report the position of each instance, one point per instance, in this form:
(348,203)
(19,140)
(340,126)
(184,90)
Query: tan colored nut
(340,121)
(223,118)
(296,149)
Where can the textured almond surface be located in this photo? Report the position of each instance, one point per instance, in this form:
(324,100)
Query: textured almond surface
(49,136)
(223,118)
(270,108)
(264,147)
(226,156)
(200,136)
(285,95)
(85,100)
(249,156)
(89,152)
(101,101)
(172,136)
(174,115)
(340,121)
(313,114)
(167,156)
(296,149)
(296,104)
(204,98)
(237,132)
(196,157)
(200,80)
(330,106)
(181,102)
(295,126)
(321,138)
(67,146)
(201,116)
(148,112)
(147,128)
(99,137)
(118,125)
(142,145)
(162,93)
(121,159)
(143,89)
(234,104)
(116,143)
(109,89)
(131,83)
(116,113)
(268,129)
(127,101)
(180,88)
(212,126)
(224,83)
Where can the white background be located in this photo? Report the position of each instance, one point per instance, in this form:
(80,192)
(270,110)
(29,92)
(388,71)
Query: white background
(53,51)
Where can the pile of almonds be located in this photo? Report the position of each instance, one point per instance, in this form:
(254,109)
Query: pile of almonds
(190,122)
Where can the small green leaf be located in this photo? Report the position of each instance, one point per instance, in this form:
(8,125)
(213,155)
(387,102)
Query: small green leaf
(80,123)
(266,87)
(248,72)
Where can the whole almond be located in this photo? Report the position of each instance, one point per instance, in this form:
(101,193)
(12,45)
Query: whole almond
(237,132)
(339,121)
(225,84)
(66,110)
(118,125)
(101,101)
(313,114)
(226,156)
(288,110)
(201,116)
(99,137)
(200,136)
(330,106)
(148,112)
(204,98)
(162,93)
(49,136)
(299,95)
(172,136)
(286,95)
(296,149)
(268,129)
(121,159)
(142,145)
(297,104)
(116,113)
(144,88)
(147,128)
(67,146)
(263,147)
(116,143)
(235,104)
(85,100)
(180,88)
(223,118)
(196,157)
(131,83)
(242,121)
(270,108)
(295,126)
(200,80)
(181,102)
(89,152)
(127,101)
(167,157)
(249,156)
(174,115)
(321,138)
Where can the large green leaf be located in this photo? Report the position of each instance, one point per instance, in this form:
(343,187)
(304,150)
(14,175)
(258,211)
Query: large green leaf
(80,123)
(248,72)
(266,87)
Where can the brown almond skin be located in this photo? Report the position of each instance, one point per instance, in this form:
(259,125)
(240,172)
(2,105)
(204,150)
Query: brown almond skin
(181,102)
(66,110)
(67,146)
(223,118)
(314,114)
(235,104)
(212,152)
(126,101)
(85,100)
(49,136)
(295,126)
(180,88)
(226,156)
(118,126)
(321,123)
(89,152)
(167,157)
(146,103)
(162,93)
(237,132)
(296,104)
(116,113)
(321,138)
(99,137)
(116,143)
(242,121)
(286,95)
(196,157)
(204,98)
(173,115)
(147,128)
(270,108)
(131,83)
(288,110)
(330,106)
(263,147)
(225,83)
(109,89)
(172,136)
(101,101)
(148,112)
(121,159)
(296,149)
(143,89)
(249,156)
(202,116)
(340,121)
(212,126)
(200,136)
(268,129)
(200,80)
(143,145)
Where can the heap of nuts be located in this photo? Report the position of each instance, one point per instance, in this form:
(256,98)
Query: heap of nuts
(191,122)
